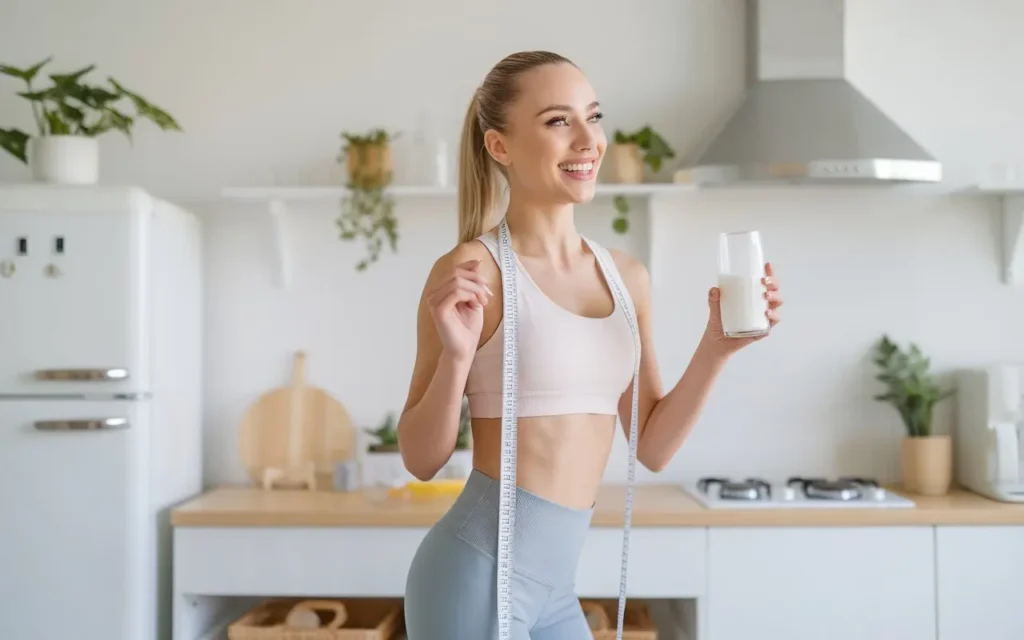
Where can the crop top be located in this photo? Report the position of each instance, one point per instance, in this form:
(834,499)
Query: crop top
(568,363)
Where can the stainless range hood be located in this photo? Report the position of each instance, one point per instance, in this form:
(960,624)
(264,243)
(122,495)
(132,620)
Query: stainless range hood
(801,120)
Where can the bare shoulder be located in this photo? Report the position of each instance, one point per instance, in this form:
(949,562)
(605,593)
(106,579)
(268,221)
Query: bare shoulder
(445,264)
(634,274)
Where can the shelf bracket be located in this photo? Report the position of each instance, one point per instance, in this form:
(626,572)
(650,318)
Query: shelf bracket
(1013,239)
(279,237)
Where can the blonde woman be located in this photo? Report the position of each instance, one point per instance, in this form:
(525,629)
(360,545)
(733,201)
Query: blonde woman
(580,319)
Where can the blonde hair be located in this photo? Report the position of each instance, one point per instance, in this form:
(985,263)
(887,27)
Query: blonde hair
(478,187)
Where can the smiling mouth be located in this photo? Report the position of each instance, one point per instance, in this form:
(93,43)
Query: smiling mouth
(581,168)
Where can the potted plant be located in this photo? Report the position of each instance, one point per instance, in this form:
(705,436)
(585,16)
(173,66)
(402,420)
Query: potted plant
(627,155)
(382,464)
(367,210)
(70,115)
(926,458)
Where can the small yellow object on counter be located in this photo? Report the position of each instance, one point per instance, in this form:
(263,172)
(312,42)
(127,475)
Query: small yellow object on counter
(428,489)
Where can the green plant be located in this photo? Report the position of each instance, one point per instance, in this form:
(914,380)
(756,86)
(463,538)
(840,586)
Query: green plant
(464,439)
(655,150)
(367,210)
(910,388)
(386,434)
(70,107)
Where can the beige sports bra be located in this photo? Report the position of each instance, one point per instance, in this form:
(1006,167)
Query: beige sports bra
(567,363)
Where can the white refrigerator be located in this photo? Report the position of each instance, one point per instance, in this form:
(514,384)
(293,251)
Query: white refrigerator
(100,407)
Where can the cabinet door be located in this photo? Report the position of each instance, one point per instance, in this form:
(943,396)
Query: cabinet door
(840,583)
(981,582)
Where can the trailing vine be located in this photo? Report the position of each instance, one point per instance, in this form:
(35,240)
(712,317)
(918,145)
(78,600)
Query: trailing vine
(367,210)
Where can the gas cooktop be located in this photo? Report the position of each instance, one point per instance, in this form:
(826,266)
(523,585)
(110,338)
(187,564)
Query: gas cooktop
(796,493)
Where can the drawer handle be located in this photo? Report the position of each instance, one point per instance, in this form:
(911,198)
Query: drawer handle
(82,374)
(87,424)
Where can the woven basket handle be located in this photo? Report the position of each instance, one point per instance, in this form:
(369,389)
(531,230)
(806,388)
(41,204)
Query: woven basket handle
(340,613)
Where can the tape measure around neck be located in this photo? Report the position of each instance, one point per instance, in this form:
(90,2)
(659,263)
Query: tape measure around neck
(509,431)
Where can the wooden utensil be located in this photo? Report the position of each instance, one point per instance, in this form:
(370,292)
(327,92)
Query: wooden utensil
(293,436)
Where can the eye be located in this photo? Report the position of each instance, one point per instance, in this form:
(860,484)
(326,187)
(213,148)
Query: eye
(563,120)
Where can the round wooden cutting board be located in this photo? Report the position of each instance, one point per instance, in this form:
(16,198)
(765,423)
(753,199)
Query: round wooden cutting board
(295,426)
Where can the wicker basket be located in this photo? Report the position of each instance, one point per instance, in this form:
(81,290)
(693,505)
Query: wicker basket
(364,619)
(603,614)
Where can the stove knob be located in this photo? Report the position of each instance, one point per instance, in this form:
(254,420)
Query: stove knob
(788,493)
(879,494)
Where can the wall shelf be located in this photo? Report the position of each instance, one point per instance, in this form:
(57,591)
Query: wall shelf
(276,200)
(1012,232)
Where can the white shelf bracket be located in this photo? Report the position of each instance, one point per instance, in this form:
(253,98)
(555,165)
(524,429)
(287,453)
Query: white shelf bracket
(1013,239)
(279,237)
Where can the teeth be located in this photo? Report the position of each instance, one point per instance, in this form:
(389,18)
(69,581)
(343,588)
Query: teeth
(586,166)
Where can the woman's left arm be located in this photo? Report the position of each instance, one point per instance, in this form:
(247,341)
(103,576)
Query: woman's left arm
(665,420)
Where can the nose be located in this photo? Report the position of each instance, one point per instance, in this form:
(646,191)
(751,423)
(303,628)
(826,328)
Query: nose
(586,141)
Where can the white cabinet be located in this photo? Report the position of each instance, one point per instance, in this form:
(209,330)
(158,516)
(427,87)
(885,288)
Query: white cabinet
(980,582)
(806,583)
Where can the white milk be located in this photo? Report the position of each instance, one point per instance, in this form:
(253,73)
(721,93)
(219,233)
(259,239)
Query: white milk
(743,305)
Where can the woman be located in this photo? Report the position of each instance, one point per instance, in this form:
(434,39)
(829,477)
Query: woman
(576,311)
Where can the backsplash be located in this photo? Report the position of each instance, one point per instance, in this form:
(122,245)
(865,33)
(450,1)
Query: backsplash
(853,264)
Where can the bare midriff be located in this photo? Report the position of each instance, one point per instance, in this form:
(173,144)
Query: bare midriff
(560,458)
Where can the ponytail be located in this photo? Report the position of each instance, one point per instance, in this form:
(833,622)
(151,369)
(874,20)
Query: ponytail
(476,177)
(478,173)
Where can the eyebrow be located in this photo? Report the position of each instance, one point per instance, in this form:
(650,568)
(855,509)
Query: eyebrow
(565,107)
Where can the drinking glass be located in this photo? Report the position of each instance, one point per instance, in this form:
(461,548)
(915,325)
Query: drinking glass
(740,270)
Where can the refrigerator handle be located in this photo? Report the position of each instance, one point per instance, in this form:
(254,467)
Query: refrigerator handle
(82,374)
(85,424)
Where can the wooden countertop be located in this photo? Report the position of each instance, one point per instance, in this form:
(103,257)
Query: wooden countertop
(653,506)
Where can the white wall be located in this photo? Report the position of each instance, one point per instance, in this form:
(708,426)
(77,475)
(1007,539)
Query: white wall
(264,88)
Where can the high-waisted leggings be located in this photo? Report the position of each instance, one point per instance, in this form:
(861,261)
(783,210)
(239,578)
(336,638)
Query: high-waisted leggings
(451,590)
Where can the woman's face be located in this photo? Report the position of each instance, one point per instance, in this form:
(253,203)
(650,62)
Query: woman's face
(554,142)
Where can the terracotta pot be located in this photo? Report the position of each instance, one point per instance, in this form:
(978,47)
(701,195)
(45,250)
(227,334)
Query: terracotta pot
(369,165)
(626,163)
(927,464)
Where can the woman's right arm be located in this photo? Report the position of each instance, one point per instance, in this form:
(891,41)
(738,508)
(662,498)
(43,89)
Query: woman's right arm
(428,427)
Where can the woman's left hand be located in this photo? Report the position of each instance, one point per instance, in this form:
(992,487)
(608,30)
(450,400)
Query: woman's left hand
(715,337)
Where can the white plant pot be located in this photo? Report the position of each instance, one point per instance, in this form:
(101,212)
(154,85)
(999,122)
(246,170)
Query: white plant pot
(384,469)
(65,159)
(459,465)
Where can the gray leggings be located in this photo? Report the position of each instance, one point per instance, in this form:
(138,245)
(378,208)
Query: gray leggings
(451,590)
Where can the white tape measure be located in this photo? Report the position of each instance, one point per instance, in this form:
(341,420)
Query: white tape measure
(509,431)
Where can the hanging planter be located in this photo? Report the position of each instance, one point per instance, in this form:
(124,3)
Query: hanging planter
(70,115)
(367,211)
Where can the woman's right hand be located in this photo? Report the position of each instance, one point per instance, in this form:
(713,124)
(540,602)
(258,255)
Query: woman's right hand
(457,306)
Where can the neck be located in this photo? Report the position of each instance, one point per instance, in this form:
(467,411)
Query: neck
(546,231)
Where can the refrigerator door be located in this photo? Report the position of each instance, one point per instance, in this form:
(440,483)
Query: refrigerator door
(73,300)
(72,533)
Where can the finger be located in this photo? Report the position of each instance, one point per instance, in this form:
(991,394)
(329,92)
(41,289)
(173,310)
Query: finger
(774,299)
(465,283)
(459,295)
(773,317)
(469,264)
(769,270)
(442,296)
(714,294)
(475,276)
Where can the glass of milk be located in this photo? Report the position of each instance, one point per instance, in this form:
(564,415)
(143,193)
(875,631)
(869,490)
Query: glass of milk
(740,270)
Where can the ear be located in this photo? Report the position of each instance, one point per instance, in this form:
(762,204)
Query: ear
(495,144)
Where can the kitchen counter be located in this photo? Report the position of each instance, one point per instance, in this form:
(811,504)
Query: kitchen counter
(948,568)
(653,506)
